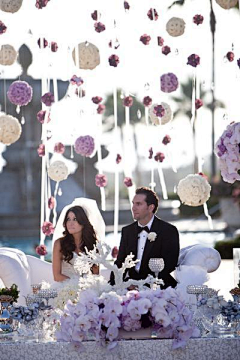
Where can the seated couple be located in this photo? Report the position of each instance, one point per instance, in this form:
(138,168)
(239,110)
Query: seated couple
(80,229)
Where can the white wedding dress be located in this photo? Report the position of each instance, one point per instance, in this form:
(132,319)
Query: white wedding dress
(68,267)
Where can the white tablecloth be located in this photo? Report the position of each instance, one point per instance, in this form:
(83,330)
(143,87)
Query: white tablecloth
(197,349)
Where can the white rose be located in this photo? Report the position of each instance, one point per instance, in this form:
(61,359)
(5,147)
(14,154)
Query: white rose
(152,236)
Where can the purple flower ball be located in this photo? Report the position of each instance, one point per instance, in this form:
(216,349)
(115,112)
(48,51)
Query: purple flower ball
(152,14)
(59,148)
(128,182)
(41,3)
(20,93)
(99,27)
(96,99)
(84,145)
(166,140)
(159,111)
(159,157)
(128,101)
(147,101)
(3,28)
(169,82)
(113,60)
(54,46)
(198,19)
(145,39)
(166,50)
(47,99)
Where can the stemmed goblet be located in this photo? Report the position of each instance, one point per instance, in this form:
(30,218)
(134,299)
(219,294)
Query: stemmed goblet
(156,265)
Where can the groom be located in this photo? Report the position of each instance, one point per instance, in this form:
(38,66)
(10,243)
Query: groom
(162,243)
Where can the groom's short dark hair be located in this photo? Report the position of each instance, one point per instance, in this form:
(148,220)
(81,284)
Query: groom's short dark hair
(151,196)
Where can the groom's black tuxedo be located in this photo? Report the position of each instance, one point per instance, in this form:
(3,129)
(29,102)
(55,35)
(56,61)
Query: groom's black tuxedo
(166,246)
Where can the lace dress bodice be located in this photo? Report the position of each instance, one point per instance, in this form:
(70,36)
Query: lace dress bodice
(68,267)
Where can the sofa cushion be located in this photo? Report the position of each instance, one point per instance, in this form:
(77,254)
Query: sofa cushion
(14,269)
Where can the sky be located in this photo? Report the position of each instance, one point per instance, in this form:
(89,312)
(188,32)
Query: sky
(69,23)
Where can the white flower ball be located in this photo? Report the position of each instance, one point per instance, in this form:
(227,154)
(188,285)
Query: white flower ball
(10,129)
(11,6)
(88,54)
(227,4)
(175,26)
(58,171)
(8,55)
(160,120)
(194,190)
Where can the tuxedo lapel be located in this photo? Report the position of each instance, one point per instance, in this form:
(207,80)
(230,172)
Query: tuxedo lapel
(149,244)
(134,240)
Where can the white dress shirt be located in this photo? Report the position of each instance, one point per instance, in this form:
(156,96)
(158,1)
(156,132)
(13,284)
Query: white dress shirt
(142,237)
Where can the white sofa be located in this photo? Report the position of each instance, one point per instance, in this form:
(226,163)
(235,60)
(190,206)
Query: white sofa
(23,270)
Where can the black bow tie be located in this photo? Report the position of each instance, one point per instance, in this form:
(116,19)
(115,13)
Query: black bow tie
(141,228)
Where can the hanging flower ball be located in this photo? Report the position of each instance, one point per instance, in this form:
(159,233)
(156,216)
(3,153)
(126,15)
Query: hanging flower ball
(99,27)
(41,250)
(101,108)
(227,4)
(198,19)
(41,150)
(198,103)
(175,26)
(193,60)
(159,157)
(41,3)
(145,39)
(166,140)
(167,116)
(128,101)
(47,228)
(41,116)
(42,43)
(166,50)
(147,101)
(47,99)
(8,55)
(51,202)
(3,28)
(20,93)
(84,145)
(150,153)
(88,56)
(128,182)
(113,60)
(10,6)
(75,80)
(193,190)
(58,171)
(169,82)
(160,41)
(118,158)
(126,5)
(54,46)
(152,14)
(59,148)
(100,180)
(230,56)
(10,129)
(95,15)
(96,99)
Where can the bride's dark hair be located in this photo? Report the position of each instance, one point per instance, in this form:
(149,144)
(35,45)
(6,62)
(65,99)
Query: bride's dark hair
(89,238)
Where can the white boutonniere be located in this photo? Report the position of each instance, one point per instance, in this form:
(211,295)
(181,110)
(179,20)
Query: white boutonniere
(152,236)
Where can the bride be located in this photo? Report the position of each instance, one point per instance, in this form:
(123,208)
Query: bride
(77,233)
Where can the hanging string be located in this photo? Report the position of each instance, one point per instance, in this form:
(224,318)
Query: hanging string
(55,205)
(99,154)
(116,195)
(162,182)
(210,223)
(193,98)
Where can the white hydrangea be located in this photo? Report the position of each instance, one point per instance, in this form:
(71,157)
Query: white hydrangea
(10,129)
(8,55)
(227,4)
(88,56)
(160,120)
(194,190)
(11,6)
(175,26)
(58,171)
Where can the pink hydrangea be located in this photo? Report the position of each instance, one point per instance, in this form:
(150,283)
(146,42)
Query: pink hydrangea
(101,108)
(159,157)
(169,82)
(41,150)
(193,60)
(101,180)
(47,228)
(51,202)
(20,93)
(84,145)
(147,101)
(198,19)
(128,101)
(41,250)
(41,116)
(47,99)
(128,182)
(96,99)
(113,60)
(59,148)
(145,39)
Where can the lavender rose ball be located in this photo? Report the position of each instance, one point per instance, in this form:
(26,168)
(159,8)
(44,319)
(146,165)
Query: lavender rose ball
(84,145)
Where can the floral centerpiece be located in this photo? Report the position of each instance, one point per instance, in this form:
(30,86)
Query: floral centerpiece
(12,291)
(102,312)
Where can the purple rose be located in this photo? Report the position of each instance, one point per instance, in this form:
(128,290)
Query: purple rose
(59,148)
(230,56)
(118,158)
(41,150)
(166,140)
(159,111)
(96,99)
(54,46)
(99,27)
(41,3)
(41,250)
(152,14)
(198,103)
(147,101)
(160,41)
(128,101)
(128,182)
(159,157)
(101,108)
(3,28)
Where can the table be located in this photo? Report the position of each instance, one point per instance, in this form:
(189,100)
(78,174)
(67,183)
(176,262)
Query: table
(197,349)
